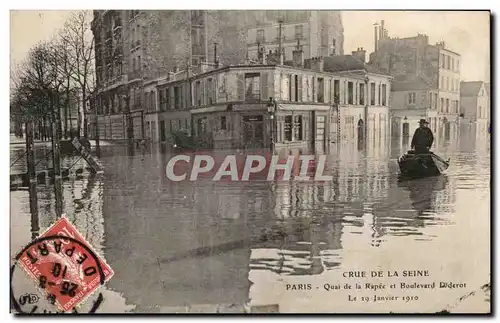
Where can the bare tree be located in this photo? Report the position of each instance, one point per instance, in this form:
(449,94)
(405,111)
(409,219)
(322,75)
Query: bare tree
(78,41)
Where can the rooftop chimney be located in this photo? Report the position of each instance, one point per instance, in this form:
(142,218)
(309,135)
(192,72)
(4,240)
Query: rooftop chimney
(298,55)
(375,25)
(280,48)
(271,58)
(360,54)
(317,64)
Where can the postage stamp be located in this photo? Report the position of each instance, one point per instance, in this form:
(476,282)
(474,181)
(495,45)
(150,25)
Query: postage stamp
(63,266)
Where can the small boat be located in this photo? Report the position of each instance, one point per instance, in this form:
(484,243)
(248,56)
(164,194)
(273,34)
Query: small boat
(414,165)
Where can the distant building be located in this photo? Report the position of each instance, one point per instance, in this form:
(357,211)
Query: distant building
(412,101)
(320,33)
(474,101)
(431,68)
(72,113)
(488,89)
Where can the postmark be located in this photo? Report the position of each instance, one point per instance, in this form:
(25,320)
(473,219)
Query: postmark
(64,268)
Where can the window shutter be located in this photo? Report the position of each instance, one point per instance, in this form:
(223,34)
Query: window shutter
(292,86)
(314,94)
(264,93)
(301,86)
(241,87)
(202,92)
(171,101)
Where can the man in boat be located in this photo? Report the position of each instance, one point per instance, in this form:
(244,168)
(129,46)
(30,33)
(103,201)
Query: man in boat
(423,138)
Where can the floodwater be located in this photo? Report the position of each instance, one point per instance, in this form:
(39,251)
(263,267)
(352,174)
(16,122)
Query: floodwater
(187,243)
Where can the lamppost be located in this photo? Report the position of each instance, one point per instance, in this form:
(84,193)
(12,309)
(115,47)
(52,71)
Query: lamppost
(271,109)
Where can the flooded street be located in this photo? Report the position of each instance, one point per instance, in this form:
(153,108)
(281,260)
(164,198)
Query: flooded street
(173,244)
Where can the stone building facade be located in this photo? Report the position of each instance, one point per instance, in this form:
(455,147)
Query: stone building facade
(137,47)
(412,101)
(320,33)
(433,69)
(315,102)
(474,102)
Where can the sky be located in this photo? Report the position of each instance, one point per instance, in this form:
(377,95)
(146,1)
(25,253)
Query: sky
(464,32)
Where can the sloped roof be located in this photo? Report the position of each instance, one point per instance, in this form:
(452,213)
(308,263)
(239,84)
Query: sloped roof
(416,84)
(470,88)
(347,63)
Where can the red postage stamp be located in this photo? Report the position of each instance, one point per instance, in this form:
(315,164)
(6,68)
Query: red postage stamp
(64,265)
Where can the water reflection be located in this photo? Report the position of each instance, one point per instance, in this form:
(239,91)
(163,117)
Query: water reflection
(210,242)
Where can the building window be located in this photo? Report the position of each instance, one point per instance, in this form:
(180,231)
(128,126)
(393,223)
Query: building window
(223,123)
(252,87)
(350,92)
(177,97)
(197,93)
(412,98)
(458,65)
(297,127)
(133,64)
(288,128)
(379,94)
(448,61)
(299,30)
(443,60)
(435,101)
(447,105)
(210,91)
(163,131)
(362,94)
(139,66)
(146,101)
(384,94)
(201,126)
(452,64)
(336,91)
(260,36)
(441,104)
(372,93)
(321,90)
(296,80)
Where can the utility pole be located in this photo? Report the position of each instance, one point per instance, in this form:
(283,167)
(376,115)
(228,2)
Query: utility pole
(30,158)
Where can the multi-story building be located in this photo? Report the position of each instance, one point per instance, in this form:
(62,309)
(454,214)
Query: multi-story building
(320,33)
(433,69)
(362,96)
(135,48)
(412,101)
(311,103)
(474,104)
(449,90)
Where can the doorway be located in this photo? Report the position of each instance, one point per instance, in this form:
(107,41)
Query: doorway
(253,131)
